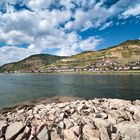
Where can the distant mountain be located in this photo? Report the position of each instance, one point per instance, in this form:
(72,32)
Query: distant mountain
(31,64)
(126,54)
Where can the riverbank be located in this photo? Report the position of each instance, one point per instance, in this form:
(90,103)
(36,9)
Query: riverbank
(124,72)
(97,119)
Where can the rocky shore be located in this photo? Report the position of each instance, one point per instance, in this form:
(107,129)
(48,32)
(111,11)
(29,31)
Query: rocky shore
(98,119)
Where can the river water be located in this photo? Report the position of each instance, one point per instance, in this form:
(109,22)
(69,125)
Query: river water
(18,88)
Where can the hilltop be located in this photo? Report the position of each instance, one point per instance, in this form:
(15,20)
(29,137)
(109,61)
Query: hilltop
(122,56)
(31,64)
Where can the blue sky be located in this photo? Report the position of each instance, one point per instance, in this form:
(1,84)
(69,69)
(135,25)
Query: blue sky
(64,27)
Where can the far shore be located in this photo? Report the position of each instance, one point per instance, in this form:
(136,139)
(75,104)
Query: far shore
(136,72)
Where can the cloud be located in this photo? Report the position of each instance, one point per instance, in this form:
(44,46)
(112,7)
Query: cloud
(107,24)
(132,11)
(12,53)
(56,24)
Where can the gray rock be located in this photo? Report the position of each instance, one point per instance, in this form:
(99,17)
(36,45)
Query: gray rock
(54,135)
(61,125)
(115,136)
(68,123)
(2,123)
(101,123)
(43,135)
(89,132)
(13,129)
(129,130)
(69,134)
(104,134)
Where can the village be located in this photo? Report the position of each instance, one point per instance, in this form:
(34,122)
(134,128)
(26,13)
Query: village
(96,67)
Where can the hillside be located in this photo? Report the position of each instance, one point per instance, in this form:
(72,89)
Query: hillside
(123,56)
(31,64)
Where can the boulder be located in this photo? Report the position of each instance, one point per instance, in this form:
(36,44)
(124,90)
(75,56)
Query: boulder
(2,123)
(43,135)
(115,136)
(13,129)
(89,132)
(68,123)
(54,135)
(61,125)
(99,123)
(129,130)
(72,133)
(104,134)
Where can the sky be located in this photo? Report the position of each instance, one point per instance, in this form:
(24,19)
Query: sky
(64,27)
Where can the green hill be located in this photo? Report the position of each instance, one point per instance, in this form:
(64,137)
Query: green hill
(122,54)
(126,54)
(31,64)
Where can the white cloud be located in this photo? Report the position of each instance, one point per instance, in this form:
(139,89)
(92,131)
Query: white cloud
(132,11)
(12,53)
(107,24)
(55,24)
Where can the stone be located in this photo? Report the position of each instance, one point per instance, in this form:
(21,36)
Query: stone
(104,134)
(54,135)
(118,103)
(129,130)
(43,135)
(68,123)
(89,132)
(80,107)
(115,136)
(51,117)
(2,123)
(61,115)
(13,128)
(69,134)
(62,105)
(101,123)
(103,115)
(111,119)
(61,125)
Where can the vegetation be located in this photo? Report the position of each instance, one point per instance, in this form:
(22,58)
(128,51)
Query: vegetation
(124,54)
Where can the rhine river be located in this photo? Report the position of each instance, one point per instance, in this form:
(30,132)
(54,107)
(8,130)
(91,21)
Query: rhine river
(19,88)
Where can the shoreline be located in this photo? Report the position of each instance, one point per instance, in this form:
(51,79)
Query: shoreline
(26,104)
(136,72)
(71,118)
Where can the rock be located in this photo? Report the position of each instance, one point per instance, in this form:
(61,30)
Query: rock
(54,135)
(61,125)
(51,117)
(104,134)
(80,107)
(129,130)
(2,123)
(70,134)
(137,102)
(102,123)
(94,138)
(61,115)
(111,119)
(76,130)
(68,123)
(62,105)
(13,129)
(89,132)
(43,135)
(117,103)
(115,136)
(103,115)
